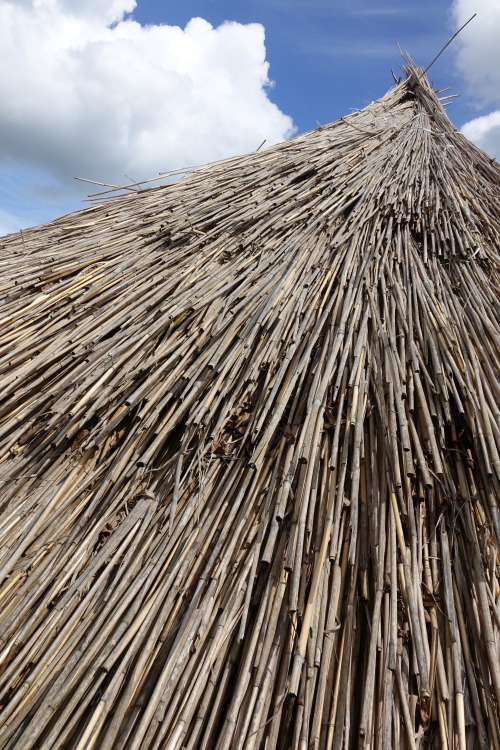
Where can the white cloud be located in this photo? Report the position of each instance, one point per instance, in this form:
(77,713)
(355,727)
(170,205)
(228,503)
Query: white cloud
(485,132)
(87,91)
(478,60)
(479,48)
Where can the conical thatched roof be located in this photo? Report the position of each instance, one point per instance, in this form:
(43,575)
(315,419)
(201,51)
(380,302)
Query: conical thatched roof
(249,452)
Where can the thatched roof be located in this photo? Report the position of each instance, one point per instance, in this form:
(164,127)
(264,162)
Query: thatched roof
(249,452)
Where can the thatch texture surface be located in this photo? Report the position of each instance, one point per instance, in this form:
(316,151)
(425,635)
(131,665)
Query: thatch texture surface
(249,448)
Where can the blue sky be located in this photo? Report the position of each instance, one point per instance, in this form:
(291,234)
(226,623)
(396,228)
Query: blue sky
(327,56)
(111,89)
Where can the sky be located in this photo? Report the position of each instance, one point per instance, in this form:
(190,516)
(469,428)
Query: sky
(118,91)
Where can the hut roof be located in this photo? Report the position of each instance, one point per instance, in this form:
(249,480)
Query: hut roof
(249,451)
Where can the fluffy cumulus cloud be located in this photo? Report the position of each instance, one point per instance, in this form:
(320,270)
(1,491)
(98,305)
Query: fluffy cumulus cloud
(479,63)
(485,131)
(90,92)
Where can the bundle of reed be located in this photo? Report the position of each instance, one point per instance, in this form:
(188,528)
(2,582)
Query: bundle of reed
(249,452)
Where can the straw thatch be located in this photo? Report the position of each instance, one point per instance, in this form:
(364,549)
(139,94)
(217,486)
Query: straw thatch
(250,452)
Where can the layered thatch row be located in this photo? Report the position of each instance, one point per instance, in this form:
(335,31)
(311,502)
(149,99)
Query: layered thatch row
(250,452)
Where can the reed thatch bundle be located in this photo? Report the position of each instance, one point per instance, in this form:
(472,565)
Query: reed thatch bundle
(249,452)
